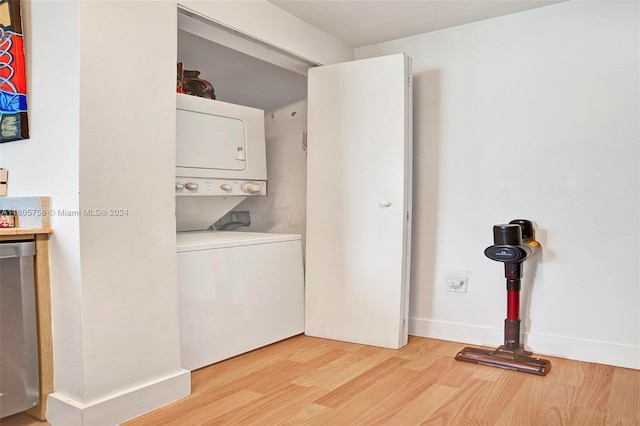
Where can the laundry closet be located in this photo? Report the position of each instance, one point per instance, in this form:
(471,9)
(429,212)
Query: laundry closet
(339,157)
(239,227)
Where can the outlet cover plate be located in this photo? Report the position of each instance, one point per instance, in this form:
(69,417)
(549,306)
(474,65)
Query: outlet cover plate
(456,281)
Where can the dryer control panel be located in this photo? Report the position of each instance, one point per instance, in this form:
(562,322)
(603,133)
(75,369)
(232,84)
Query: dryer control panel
(190,186)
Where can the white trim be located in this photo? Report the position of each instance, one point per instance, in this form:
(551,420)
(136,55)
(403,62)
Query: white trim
(586,350)
(245,36)
(64,411)
(263,21)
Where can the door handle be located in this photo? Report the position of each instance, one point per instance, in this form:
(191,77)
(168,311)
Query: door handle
(384,203)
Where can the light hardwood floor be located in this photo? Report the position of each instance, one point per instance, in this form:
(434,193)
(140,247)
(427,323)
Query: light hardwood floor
(310,381)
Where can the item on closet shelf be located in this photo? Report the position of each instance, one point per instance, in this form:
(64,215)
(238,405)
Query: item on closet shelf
(192,85)
(513,243)
(179,77)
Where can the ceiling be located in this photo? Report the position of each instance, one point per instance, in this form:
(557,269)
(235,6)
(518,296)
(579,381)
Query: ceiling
(243,79)
(363,22)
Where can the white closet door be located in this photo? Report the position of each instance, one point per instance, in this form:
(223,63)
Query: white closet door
(359,201)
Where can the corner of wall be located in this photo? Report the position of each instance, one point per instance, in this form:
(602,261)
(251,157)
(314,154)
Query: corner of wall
(64,411)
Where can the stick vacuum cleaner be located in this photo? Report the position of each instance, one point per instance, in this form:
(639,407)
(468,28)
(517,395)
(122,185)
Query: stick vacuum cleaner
(513,244)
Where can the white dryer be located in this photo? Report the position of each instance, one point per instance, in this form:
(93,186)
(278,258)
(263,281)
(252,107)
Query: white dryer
(238,291)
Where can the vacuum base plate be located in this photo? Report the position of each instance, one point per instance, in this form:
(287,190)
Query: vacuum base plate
(516,361)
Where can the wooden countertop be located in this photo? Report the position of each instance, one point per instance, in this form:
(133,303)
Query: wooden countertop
(24,231)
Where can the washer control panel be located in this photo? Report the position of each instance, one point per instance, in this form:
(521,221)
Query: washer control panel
(189,186)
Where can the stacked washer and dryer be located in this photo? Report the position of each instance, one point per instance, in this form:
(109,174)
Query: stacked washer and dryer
(238,291)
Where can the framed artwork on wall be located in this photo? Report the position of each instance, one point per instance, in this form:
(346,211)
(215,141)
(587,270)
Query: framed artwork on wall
(13,79)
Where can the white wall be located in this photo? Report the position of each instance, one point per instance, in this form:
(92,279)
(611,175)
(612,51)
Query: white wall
(127,161)
(47,163)
(284,209)
(536,116)
(102,124)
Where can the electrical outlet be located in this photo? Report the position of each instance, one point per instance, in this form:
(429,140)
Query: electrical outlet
(456,281)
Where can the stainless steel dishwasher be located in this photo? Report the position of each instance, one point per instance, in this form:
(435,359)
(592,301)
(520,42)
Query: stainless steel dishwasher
(19,382)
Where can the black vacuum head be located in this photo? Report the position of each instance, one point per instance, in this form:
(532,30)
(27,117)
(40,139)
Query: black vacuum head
(505,359)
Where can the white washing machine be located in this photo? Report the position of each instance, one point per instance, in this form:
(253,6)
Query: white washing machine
(238,291)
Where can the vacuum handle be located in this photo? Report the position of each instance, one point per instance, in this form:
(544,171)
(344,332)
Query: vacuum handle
(526,227)
(507,235)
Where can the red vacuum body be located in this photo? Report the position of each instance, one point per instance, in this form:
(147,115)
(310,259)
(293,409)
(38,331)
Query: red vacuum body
(513,244)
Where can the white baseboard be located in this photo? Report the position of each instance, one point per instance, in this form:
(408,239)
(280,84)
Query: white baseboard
(64,411)
(609,353)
